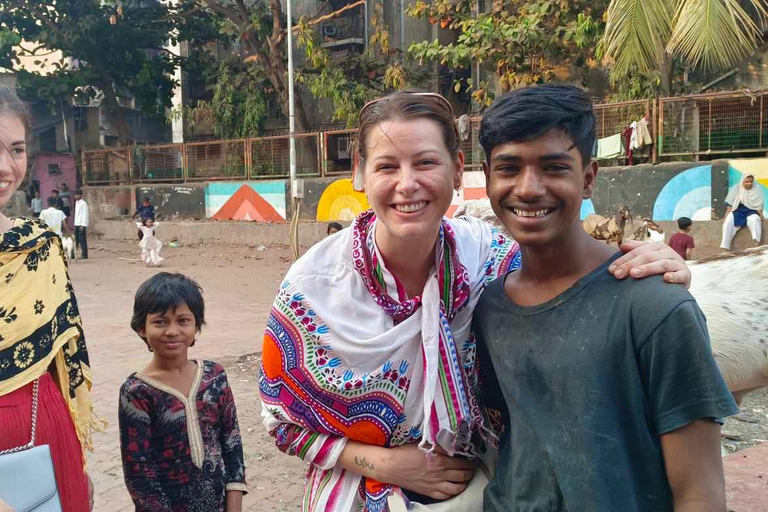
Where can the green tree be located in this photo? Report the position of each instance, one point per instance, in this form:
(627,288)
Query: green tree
(117,48)
(523,42)
(238,107)
(648,36)
(375,72)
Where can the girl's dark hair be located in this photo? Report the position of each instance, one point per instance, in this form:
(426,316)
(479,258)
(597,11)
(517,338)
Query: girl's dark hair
(406,106)
(333,225)
(165,291)
(10,103)
(144,222)
(528,113)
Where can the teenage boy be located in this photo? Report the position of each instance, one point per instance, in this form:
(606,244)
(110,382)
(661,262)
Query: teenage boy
(608,389)
(682,242)
(82,219)
(59,203)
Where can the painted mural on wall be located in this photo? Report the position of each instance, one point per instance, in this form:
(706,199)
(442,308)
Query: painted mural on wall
(689,194)
(259,201)
(757,168)
(340,201)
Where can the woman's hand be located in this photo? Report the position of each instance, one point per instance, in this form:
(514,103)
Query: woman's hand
(437,476)
(643,259)
(4,507)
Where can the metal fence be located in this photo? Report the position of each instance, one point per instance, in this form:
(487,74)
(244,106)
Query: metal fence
(711,124)
(338,151)
(720,123)
(217,160)
(107,166)
(270,156)
(163,163)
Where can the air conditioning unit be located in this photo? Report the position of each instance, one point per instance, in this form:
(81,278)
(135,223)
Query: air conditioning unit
(329,30)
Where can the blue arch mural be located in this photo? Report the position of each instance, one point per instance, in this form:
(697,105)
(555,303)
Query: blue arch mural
(689,194)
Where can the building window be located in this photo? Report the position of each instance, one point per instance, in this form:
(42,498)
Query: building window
(54,169)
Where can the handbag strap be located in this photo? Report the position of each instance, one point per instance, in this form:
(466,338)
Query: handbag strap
(31,444)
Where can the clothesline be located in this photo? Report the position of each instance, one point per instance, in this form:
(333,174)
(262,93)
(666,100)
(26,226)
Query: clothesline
(635,137)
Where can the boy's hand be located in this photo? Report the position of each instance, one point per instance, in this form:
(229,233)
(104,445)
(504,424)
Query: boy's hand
(440,478)
(643,259)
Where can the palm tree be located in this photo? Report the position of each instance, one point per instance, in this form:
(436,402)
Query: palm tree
(647,35)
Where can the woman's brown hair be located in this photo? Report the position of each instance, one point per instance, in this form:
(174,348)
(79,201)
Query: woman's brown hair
(406,106)
(11,104)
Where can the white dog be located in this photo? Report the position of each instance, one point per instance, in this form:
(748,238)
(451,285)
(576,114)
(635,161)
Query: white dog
(69,248)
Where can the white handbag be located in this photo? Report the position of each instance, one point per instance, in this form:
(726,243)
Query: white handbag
(27,480)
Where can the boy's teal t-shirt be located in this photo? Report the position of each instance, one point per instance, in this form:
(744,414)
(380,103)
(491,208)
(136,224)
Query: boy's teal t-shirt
(587,383)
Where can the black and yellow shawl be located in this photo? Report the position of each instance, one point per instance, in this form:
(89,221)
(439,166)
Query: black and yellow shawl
(40,322)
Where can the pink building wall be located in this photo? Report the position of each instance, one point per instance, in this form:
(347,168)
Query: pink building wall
(49,179)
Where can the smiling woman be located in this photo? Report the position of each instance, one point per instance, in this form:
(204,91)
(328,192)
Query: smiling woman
(41,322)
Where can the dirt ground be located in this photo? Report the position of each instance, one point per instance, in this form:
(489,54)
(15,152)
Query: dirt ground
(239,284)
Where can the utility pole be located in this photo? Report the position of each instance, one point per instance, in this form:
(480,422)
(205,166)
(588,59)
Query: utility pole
(291,116)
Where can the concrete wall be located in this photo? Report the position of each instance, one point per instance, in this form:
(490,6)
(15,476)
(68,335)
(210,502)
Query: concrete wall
(662,192)
(175,201)
(17,206)
(235,233)
(110,202)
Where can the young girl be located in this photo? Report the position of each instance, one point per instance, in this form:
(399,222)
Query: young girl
(179,434)
(150,246)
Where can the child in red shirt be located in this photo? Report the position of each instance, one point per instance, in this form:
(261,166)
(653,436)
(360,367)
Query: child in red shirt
(682,242)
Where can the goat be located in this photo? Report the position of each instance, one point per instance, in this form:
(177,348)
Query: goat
(649,231)
(68,244)
(480,209)
(609,229)
(732,291)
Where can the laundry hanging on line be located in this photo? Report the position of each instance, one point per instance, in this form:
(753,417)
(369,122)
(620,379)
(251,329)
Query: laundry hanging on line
(609,147)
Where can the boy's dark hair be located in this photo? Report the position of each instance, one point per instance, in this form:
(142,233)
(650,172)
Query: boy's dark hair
(165,291)
(333,225)
(51,201)
(78,192)
(55,191)
(146,200)
(684,223)
(528,113)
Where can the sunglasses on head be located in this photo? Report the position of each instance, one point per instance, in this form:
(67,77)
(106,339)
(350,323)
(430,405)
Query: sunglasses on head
(440,97)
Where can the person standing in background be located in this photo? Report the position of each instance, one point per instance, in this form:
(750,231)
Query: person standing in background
(57,202)
(66,200)
(682,241)
(36,204)
(82,219)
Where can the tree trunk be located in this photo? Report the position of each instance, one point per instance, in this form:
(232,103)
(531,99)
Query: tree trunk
(116,113)
(666,65)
